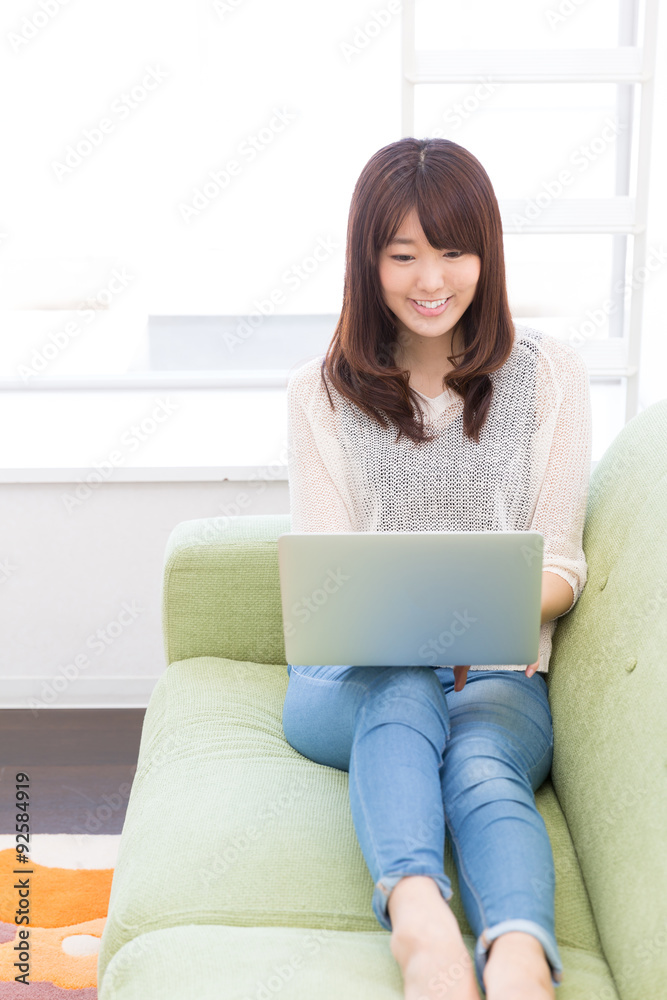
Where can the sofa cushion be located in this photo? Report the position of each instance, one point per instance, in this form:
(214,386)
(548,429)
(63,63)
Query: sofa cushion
(608,694)
(227,824)
(260,963)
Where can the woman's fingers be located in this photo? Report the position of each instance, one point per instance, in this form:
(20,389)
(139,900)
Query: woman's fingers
(531,668)
(460,675)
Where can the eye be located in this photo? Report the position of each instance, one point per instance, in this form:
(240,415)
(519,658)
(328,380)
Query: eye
(449,254)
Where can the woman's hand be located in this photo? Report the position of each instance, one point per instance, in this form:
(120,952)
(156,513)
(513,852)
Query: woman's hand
(532,667)
(554,595)
(461,674)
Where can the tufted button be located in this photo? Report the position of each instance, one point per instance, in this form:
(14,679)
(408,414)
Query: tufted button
(630,665)
(603,582)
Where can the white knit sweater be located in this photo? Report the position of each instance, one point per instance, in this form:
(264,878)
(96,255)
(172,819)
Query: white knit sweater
(529,471)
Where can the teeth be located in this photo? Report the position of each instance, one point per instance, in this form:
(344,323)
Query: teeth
(430,305)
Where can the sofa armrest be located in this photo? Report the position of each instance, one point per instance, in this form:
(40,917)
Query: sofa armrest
(608,697)
(221,589)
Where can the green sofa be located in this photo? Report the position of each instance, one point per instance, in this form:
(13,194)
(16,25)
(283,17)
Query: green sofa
(239,875)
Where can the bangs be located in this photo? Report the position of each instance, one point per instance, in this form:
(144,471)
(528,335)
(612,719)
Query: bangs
(448,214)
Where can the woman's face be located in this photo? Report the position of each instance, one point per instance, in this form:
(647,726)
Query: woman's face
(412,271)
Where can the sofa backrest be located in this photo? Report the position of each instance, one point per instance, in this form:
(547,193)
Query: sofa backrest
(608,693)
(221,589)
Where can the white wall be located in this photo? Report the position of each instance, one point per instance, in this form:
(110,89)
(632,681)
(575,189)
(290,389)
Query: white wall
(72,574)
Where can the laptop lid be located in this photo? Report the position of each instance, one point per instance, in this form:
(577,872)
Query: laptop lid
(411,598)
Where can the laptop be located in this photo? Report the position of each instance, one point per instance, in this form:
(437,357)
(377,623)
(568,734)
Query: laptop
(411,598)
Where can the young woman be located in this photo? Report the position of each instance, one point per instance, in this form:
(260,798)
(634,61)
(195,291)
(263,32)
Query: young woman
(432,411)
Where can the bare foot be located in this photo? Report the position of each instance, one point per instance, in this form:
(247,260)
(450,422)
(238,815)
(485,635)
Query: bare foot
(427,944)
(517,969)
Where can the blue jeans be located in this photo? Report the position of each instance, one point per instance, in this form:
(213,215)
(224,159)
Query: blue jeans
(422,757)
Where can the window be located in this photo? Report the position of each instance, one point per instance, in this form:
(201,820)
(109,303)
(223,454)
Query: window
(179,205)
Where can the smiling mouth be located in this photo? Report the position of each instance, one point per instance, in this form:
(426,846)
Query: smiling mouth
(426,307)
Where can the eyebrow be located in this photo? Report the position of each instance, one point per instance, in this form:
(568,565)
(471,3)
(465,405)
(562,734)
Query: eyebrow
(400,239)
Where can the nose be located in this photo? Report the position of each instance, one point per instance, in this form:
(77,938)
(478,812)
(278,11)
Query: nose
(432,279)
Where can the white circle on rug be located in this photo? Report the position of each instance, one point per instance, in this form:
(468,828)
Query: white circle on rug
(81,944)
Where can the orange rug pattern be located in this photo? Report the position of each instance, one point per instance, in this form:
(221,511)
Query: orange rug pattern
(68,910)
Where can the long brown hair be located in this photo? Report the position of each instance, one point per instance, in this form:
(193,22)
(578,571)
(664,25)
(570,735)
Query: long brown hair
(457,209)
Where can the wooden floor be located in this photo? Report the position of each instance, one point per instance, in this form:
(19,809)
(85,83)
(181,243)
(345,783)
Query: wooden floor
(81,763)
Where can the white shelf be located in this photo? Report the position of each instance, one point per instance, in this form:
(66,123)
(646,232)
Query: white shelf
(143,436)
(254,378)
(622,65)
(149,474)
(549,214)
(607,357)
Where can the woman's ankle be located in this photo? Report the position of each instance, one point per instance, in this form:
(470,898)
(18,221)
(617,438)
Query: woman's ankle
(419,916)
(413,895)
(517,951)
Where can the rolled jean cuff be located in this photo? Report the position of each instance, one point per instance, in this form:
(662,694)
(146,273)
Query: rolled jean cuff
(384,886)
(530,927)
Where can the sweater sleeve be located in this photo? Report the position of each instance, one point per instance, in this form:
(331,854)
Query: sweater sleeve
(561,506)
(314,471)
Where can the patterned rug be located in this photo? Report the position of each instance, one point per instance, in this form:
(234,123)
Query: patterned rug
(69,885)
